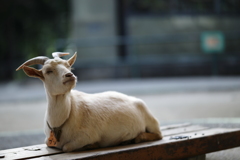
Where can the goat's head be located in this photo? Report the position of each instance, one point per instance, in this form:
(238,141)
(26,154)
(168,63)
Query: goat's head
(55,73)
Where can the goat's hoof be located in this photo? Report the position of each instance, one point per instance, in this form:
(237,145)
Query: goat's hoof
(138,139)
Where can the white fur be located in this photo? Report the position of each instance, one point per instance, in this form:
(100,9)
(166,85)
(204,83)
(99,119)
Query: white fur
(107,118)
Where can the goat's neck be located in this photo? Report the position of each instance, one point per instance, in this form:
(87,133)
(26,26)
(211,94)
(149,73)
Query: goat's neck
(59,107)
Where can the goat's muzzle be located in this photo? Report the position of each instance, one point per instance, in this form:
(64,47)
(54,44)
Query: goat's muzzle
(69,74)
(70,78)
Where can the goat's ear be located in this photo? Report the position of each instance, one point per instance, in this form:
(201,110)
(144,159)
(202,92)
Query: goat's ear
(32,72)
(72,59)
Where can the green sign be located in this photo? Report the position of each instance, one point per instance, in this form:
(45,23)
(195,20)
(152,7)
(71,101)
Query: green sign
(212,42)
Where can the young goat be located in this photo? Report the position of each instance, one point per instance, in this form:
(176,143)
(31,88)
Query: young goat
(76,120)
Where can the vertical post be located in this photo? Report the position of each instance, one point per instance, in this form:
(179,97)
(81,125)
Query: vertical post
(215,64)
(217,6)
(121,29)
(212,42)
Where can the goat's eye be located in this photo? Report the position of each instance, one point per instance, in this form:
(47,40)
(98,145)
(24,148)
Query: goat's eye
(48,72)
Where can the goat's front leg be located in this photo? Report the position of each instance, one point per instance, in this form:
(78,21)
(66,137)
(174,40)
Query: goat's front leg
(79,145)
(71,146)
(91,146)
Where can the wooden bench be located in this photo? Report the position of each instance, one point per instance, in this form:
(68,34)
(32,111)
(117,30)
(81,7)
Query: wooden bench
(181,141)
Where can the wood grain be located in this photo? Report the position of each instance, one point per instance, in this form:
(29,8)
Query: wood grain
(200,143)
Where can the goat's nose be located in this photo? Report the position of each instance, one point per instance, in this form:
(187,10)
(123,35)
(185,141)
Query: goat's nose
(68,75)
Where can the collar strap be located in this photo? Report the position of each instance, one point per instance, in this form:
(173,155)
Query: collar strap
(57,131)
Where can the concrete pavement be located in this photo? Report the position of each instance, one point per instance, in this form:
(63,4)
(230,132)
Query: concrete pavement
(32,89)
(22,104)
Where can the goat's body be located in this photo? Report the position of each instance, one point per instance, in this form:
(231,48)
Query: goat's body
(107,118)
(80,120)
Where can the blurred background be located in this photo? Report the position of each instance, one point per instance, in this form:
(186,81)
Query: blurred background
(124,38)
(181,57)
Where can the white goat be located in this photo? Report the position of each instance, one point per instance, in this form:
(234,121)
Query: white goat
(76,120)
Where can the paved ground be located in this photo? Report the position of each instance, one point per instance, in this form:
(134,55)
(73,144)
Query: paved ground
(211,100)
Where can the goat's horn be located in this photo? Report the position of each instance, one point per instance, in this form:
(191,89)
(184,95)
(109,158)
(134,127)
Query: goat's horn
(37,60)
(59,54)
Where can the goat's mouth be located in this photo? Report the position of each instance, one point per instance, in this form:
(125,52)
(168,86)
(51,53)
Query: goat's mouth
(71,79)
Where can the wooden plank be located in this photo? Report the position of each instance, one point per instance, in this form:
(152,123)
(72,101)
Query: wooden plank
(28,152)
(186,129)
(43,150)
(198,144)
(173,126)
